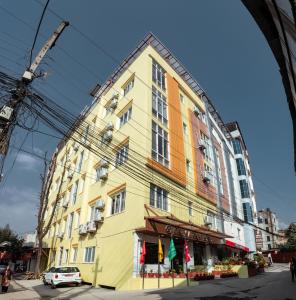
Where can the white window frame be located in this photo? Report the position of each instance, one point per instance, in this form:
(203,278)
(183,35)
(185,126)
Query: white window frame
(74,254)
(118,202)
(159,105)
(89,254)
(159,197)
(122,155)
(125,117)
(158,75)
(128,87)
(160,134)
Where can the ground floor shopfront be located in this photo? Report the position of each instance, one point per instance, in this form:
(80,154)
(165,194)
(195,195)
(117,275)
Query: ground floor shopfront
(117,264)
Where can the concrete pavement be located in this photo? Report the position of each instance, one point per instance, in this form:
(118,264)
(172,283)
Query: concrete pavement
(275,284)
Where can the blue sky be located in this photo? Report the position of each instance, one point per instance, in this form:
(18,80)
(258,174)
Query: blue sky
(217,41)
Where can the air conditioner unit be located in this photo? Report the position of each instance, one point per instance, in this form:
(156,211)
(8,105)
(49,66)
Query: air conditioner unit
(115,96)
(76,147)
(196,111)
(65,204)
(103,173)
(82,229)
(202,144)
(60,235)
(104,163)
(208,220)
(70,174)
(207,175)
(99,217)
(113,103)
(108,135)
(91,226)
(6,112)
(100,204)
(109,126)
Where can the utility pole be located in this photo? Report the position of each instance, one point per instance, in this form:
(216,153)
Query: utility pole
(9,112)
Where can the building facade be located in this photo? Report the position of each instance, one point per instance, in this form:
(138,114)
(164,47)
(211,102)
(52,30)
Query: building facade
(150,159)
(268,222)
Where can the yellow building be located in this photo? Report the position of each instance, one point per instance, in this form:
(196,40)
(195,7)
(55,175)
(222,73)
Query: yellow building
(137,168)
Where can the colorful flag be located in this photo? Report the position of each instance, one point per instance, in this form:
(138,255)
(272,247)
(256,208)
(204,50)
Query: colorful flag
(143,253)
(172,250)
(187,255)
(160,251)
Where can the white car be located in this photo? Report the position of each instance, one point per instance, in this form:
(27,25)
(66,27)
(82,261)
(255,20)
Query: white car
(62,275)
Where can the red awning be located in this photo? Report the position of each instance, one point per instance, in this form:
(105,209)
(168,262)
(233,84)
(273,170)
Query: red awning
(237,246)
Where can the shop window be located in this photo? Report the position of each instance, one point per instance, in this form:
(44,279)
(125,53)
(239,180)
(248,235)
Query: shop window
(152,253)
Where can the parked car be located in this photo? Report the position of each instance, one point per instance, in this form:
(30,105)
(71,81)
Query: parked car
(62,275)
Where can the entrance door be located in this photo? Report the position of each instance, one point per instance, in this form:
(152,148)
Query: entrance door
(178,260)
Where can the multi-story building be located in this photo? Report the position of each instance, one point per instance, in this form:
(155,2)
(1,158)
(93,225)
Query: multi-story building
(268,222)
(245,187)
(149,159)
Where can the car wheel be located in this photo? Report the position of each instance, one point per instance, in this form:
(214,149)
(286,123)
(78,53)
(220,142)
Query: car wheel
(78,284)
(45,282)
(53,286)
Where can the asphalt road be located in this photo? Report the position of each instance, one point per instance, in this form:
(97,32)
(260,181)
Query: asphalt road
(275,284)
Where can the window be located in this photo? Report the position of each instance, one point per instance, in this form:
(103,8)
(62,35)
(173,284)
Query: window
(81,186)
(118,203)
(74,254)
(128,86)
(260,220)
(158,75)
(241,169)
(248,213)
(74,192)
(85,134)
(121,155)
(267,229)
(268,238)
(266,221)
(100,171)
(160,145)
(70,224)
(158,197)
(244,187)
(77,219)
(80,161)
(237,146)
(185,130)
(151,256)
(92,212)
(188,166)
(159,105)
(219,171)
(125,117)
(208,151)
(182,98)
(66,254)
(60,256)
(190,208)
(89,254)
(238,233)
(269,246)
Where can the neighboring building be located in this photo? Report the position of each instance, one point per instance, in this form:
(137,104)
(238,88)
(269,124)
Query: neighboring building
(268,222)
(282,238)
(246,197)
(277,21)
(164,167)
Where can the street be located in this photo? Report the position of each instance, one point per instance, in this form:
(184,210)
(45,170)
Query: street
(274,284)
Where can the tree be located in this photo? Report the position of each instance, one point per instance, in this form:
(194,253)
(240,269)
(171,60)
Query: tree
(14,242)
(43,225)
(291,235)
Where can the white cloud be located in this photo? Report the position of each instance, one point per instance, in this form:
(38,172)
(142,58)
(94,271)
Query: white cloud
(283,225)
(27,161)
(18,208)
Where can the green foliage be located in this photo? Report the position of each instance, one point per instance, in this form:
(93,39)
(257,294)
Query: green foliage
(291,235)
(7,235)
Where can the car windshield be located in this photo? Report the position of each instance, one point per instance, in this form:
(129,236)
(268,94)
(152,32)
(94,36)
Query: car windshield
(66,270)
